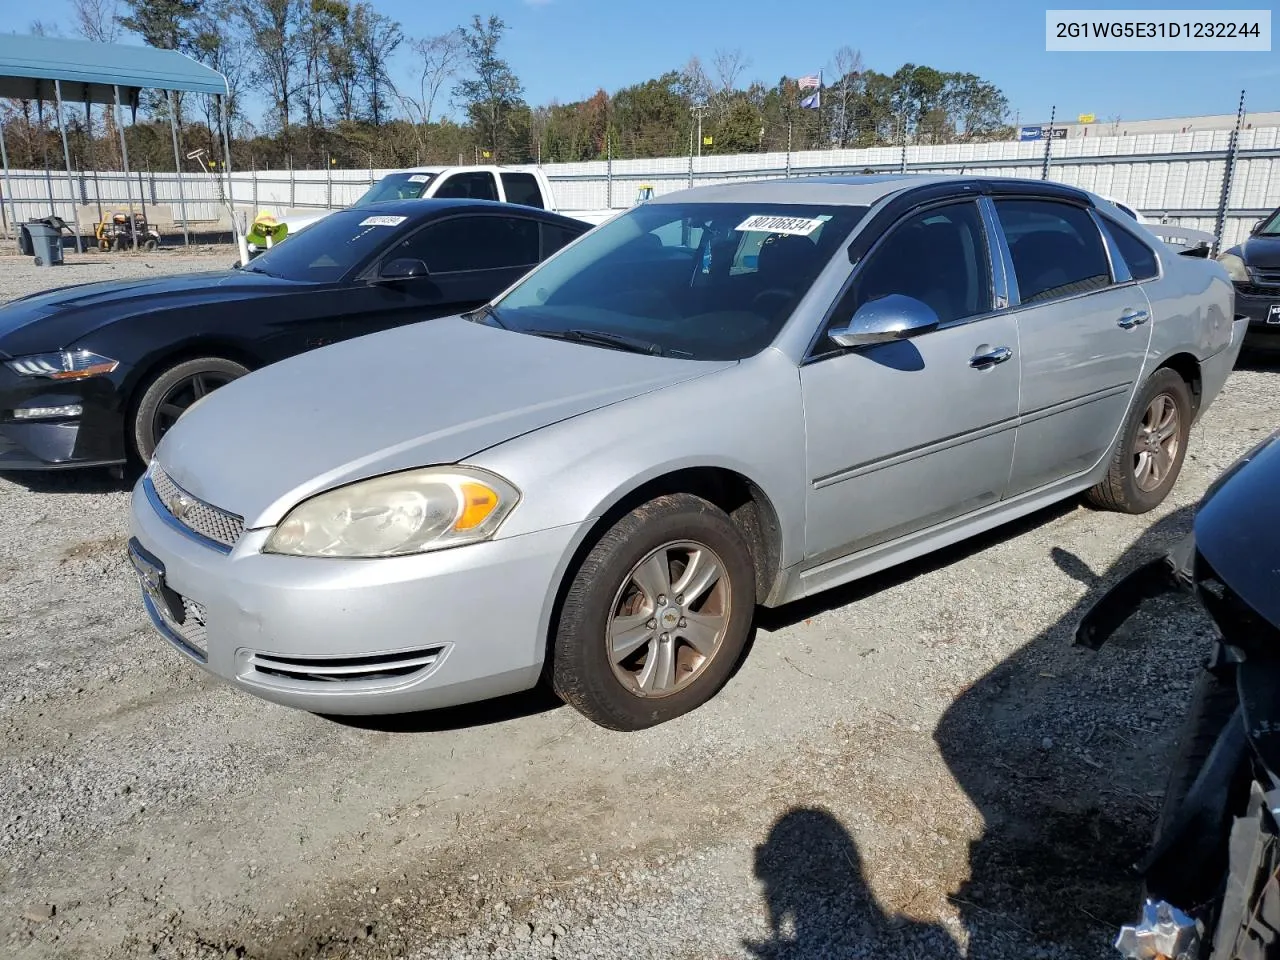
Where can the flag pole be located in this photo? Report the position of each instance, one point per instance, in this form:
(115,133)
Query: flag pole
(820,140)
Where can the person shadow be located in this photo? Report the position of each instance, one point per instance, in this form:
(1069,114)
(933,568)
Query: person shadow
(819,904)
(1064,752)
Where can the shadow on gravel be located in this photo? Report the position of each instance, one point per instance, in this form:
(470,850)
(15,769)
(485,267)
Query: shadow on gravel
(86,480)
(819,905)
(1064,752)
(513,707)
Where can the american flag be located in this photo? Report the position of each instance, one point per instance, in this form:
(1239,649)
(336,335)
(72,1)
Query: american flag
(808,83)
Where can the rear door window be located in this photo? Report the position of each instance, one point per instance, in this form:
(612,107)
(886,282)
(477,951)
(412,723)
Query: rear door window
(522,188)
(1056,248)
(555,236)
(1140,258)
(473,185)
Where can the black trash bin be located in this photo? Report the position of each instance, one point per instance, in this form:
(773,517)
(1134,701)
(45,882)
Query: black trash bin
(42,239)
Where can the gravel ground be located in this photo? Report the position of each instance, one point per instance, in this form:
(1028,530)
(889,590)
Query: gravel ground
(915,766)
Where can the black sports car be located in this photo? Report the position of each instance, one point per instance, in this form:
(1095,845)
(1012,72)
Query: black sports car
(1254,267)
(93,375)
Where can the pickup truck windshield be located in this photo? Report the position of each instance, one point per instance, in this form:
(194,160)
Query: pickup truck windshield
(1271,227)
(706,281)
(396,186)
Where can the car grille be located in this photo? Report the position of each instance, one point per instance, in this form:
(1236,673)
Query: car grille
(387,667)
(208,522)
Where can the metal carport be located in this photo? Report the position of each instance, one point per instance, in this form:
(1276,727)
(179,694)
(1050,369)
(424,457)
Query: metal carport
(113,74)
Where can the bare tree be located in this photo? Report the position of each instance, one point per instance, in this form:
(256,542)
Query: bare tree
(848,69)
(695,85)
(729,66)
(96,19)
(439,59)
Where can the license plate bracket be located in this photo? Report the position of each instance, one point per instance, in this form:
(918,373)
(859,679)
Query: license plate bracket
(151,576)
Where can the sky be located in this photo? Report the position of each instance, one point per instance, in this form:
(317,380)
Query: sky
(567,49)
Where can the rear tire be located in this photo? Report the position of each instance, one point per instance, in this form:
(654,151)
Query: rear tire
(656,617)
(168,394)
(1148,456)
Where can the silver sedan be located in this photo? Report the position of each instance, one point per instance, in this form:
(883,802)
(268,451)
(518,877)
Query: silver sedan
(727,397)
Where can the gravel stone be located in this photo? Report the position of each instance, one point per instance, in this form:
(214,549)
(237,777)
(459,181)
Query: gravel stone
(873,782)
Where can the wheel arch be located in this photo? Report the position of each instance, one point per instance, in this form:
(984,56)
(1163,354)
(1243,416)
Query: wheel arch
(743,499)
(160,360)
(1186,365)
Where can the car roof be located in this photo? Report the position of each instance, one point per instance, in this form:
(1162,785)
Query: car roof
(855,190)
(427,207)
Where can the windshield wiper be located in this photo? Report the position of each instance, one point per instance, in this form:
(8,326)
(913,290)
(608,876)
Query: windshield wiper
(486,312)
(265,273)
(602,338)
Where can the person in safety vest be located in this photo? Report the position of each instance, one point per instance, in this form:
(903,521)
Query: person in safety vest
(266,231)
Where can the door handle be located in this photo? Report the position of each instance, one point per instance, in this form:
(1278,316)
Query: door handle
(1132,318)
(981,361)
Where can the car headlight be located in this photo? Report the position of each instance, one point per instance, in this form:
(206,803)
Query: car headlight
(63,365)
(415,511)
(1236,269)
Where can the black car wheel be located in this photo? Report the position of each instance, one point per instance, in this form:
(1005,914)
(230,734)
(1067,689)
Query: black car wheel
(171,392)
(657,615)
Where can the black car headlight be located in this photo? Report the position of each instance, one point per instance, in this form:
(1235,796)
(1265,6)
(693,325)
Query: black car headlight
(1235,267)
(63,365)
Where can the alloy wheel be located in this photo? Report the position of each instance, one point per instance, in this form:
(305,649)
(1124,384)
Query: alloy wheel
(1155,449)
(668,619)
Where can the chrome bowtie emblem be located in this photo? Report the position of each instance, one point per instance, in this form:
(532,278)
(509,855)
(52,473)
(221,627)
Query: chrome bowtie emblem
(180,506)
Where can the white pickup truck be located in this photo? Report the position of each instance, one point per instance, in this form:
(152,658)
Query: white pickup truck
(525,185)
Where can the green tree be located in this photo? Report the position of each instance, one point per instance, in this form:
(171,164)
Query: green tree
(494,93)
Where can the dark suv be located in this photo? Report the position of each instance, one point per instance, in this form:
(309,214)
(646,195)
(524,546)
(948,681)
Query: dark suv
(1254,267)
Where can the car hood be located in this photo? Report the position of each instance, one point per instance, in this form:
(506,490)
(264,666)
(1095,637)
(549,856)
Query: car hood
(435,392)
(58,318)
(1235,528)
(1261,252)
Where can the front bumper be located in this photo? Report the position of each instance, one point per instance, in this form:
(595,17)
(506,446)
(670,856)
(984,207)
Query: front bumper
(356,636)
(1262,307)
(93,438)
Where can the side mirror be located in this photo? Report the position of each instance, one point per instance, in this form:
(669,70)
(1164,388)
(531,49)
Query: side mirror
(895,317)
(403,268)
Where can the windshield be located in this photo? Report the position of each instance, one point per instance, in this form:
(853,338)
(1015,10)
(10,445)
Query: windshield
(707,281)
(1271,226)
(396,186)
(325,251)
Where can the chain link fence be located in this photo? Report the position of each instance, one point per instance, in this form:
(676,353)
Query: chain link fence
(1211,180)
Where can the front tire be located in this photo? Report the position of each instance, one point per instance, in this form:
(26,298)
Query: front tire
(656,617)
(1148,456)
(170,392)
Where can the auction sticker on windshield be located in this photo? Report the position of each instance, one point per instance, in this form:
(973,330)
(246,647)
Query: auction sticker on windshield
(419,178)
(382,221)
(791,226)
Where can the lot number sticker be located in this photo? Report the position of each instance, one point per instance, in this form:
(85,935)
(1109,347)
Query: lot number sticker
(419,178)
(791,226)
(382,221)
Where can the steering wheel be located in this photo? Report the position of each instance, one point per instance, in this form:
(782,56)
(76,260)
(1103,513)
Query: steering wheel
(782,293)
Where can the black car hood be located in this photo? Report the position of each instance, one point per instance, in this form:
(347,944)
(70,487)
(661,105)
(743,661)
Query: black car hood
(58,318)
(1237,528)
(1261,252)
